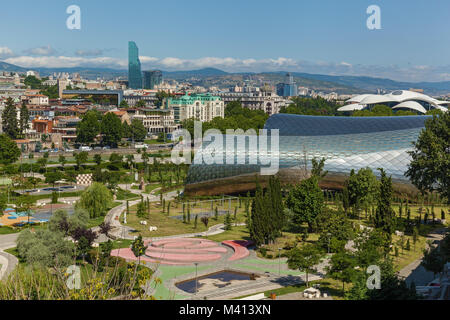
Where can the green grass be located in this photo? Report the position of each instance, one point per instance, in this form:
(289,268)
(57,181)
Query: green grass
(8,230)
(236,233)
(125,195)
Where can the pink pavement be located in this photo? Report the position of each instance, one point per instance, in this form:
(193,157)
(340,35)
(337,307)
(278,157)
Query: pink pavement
(239,247)
(183,251)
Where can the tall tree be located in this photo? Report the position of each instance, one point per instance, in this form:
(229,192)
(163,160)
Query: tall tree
(384,214)
(111,129)
(9,152)
(24,118)
(430,166)
(306,201)
(305,259)
(10,124)
(138,130)
(96,199)
(88,128)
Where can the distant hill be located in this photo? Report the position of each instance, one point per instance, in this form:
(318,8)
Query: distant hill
(217,77)
(11,67)
(206,72)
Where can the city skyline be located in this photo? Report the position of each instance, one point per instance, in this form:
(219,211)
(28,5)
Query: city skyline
(325,38)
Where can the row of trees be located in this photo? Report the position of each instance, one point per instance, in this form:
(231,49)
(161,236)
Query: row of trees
(236,117)
(110,127)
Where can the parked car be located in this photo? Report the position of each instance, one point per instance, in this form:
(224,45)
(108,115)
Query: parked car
(85,148)
(69,150)
(106,147)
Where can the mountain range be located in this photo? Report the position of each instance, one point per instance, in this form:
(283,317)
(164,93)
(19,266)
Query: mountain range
(213,76)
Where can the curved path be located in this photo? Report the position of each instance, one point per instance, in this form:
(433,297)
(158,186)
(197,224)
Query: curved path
(7,261)
(417,273)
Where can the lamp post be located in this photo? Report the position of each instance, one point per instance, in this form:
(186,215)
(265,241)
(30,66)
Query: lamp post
(196,280)
(279,262)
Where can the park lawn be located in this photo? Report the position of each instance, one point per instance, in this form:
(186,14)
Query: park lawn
(166,226)
(405,257)
(153,141)
(122,243)
(288,238)
(8,230)
(236,233)
(150,187)
(125,195)
(170,226)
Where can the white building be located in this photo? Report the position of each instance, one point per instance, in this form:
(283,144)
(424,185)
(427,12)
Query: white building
(203,107)
(397,100)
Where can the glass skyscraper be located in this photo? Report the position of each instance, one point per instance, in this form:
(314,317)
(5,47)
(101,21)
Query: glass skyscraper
(134,67)
(152,79)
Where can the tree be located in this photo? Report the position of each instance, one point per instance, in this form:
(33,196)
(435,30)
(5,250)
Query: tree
(9,152)
(227,222)
(304,259)
(23,120)
(306,201)
(342,267)
(88,128)
(81,157)
(111,129)
(334,230)
(433,260)
(98,159)
(45,247)
(430,166)
(124,104)
(317,168)
(138,130)
(362,188)
(140,104)
(385,215)
(62,160)
(10,124)
(138,247)
(141,209)
(205,221)
(96,199)
(32,82)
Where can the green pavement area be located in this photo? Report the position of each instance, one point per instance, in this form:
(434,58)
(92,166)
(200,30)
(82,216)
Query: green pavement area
(168,273)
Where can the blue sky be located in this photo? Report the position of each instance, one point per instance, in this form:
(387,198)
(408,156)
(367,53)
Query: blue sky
(321,36)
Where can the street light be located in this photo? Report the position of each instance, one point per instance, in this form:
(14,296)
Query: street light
(196,280)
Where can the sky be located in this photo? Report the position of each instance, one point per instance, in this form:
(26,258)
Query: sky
(320,36)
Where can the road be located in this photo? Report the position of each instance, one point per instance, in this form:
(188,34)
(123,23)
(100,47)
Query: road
(414,271)
(8,261)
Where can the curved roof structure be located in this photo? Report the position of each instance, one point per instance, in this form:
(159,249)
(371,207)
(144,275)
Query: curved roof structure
(411,105)
(394,99)
(345,142)
(301,125)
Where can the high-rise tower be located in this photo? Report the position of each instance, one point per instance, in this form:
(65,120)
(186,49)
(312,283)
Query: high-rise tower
(134,67)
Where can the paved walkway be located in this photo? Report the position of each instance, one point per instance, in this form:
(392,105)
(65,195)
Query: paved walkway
(414,271)
(7,261)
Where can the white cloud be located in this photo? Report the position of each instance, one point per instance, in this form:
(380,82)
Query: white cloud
(41,51)
(89,53)
(6,52)
(411,73)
